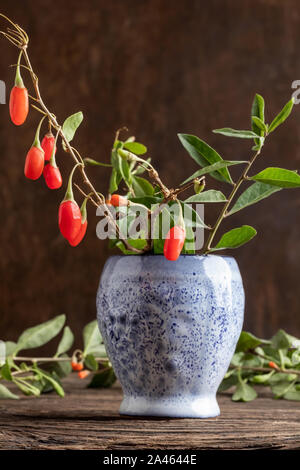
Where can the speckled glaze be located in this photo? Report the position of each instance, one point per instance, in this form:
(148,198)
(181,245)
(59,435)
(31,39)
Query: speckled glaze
(170,329)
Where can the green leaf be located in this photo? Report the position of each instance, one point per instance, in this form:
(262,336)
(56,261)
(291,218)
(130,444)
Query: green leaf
(158,241)
(126,173)
(40,334)
(142,187)
(5,393)
(207,196)
(212,168)
(129,139)
(138,243)
(104,378)
(244,392)
(71,124)
(2,353)
(235,238)
(10,347)
(281,388)
(228,132)
(191,217)
(135,147)
(116,160)
(90,362)
(92,339)
(92,162)
(27,388)
(255,193)
(258,111)
(204,155)
(280,377)
(292,394)
(147,201)
(57,387)
(115,180)
(237,359)
(282,340)
(65,342)
(61,368)
(189,242)
(259,124)
(271,354)
(251,360)
(247,341)
(282,116)
(6,372)
(262,378)
(139,169)
(122,170)
(228,383)
(278,177)
(295,357)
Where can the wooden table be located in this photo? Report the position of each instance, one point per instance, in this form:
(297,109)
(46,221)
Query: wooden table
(89,419)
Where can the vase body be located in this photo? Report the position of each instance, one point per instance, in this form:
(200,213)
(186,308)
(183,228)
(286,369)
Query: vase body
(170,329)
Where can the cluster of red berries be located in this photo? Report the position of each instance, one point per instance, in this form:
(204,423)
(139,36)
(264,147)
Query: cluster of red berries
(175,238)
(39,153)
(78,367)
(72,220)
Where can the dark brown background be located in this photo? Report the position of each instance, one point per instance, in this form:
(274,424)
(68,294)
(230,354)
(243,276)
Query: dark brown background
(160,68)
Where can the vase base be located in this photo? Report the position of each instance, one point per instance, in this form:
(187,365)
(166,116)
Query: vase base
(202,407)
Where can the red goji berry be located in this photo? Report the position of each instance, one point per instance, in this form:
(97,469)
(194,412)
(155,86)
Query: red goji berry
(174,242)
(75,241)
(117,201)
(51,172)
(83,374)
(273,365)
(77,366)
(52,176)
(69,215)
(48,144)
(18,100)
(34,163)
(69,219)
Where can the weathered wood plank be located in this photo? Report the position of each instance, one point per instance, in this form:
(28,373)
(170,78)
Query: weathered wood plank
(89,419)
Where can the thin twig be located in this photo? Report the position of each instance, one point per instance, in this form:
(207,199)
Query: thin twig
(86,195)
(188,185)
(20,39)
(223,212)
(51,359)
(266,369)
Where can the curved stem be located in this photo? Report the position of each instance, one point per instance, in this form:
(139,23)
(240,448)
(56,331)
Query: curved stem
(70,150)
(222,214)
(51,359)
(266,369)
(18,80)
(36,142)
(52,158)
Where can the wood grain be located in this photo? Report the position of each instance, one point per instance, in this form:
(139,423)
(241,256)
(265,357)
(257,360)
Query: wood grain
(88,419)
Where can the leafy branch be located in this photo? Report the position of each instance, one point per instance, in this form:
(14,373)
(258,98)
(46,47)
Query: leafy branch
(128,163)
(37,375)
(273,363)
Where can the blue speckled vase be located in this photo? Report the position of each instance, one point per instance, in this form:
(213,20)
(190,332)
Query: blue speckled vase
(170,329)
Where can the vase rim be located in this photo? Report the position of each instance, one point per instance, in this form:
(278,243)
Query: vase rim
(146,255)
